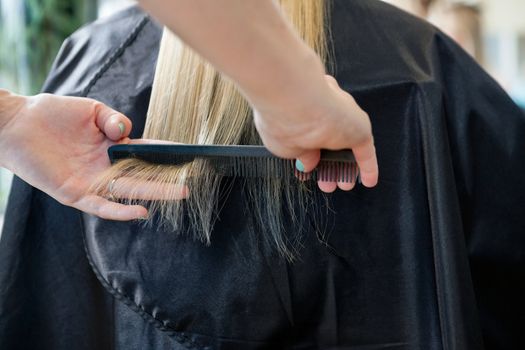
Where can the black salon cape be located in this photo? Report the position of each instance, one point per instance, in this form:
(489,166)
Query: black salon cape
(432,258)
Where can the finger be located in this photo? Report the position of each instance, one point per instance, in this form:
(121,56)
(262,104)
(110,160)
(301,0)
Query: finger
(327,186)
(332,82)
(308,161)
(113,124)
(366,158)
(347,177)
(106,209)
(345,186)
(365,154)
(131,188)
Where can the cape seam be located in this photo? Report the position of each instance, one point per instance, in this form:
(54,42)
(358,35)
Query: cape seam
(182,338)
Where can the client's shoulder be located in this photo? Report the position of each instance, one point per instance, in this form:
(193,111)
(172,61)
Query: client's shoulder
(377,43)
(93,46)
(111,29)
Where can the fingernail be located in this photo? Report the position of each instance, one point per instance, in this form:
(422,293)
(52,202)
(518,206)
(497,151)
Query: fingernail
(299,165)
(142,218)
(122,128)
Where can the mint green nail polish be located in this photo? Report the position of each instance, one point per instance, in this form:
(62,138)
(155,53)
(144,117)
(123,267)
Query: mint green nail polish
(122,128)
(299,165)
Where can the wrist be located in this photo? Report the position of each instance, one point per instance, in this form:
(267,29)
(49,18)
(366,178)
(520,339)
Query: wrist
(302,82)
(10,106)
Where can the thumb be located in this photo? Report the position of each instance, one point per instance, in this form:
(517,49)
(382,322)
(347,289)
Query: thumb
(308,161)
(113,124)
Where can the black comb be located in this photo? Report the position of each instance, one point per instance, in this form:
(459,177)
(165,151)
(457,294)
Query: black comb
(242,161)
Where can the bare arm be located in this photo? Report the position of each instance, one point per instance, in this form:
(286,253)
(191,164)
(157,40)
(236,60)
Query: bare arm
(297,109)
(248,40)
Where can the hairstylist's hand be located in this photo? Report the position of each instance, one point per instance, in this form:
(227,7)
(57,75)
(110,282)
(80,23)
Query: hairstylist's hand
(59,145)
(329,119)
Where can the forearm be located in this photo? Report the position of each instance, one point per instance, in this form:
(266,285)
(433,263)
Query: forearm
(248,40)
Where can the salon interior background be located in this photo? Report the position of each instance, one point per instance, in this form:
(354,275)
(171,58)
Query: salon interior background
(31,32)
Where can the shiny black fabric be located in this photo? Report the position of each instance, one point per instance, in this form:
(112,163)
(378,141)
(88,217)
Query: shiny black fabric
(432,258)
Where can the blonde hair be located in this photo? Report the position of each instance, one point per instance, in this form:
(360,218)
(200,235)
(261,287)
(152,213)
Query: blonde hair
(193,103)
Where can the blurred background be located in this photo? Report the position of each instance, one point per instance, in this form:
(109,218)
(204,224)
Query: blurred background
(31,32)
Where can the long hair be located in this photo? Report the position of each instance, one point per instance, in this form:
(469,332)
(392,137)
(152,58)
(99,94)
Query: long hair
(193,103)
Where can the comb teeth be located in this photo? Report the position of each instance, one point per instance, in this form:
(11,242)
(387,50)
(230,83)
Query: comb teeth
(252,166)
(154,157)
(256,167)
(337,171)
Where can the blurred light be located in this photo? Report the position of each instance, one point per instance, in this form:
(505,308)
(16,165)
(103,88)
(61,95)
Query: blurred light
(108,7)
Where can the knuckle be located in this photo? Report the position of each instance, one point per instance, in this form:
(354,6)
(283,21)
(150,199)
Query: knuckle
(330,79)
(96,106)
(67,199)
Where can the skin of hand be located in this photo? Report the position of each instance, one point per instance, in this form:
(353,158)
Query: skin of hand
(334,121)
(59,145)
(298,110)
